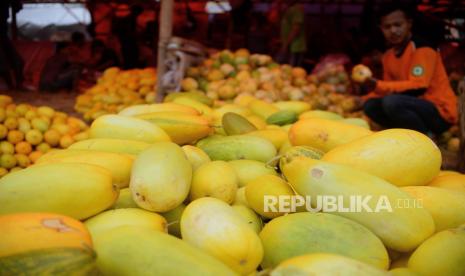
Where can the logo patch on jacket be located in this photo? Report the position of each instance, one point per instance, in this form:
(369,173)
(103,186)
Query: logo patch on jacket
(418,71)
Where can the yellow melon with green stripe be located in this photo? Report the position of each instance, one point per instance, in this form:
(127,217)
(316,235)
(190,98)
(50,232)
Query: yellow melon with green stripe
(45,244)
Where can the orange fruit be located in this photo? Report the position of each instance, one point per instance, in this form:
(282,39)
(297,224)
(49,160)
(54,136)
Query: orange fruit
(3,172)
(2,114)
(46,119)
(11,106)
(22,109)
(133,85)
(150,97)
(66,141)
(23,148)
(144,90)
(189,84)
(73,130)
(43,147)
(24,125)
(11,123)
(77,122)
(298,72)
(3,131)
(61,128)
(5,100)
(7,147)
(33,156)
(34,137)
(46,111)
(22,160)
(11,111)
(58,120)
(52,137)
(40,124)
(15,136)
(31,114)
(7,161)
(81,136)
(61,114)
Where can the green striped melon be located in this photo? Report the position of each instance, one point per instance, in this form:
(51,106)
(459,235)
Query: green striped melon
(54,261)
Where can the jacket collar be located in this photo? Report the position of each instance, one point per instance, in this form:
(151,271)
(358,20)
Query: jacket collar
(401,51)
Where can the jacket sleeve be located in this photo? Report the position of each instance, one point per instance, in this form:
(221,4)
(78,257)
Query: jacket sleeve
(420,73)
(386,75)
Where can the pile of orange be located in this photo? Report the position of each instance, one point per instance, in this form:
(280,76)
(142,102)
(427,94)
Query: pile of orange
(27,132)
(115,90)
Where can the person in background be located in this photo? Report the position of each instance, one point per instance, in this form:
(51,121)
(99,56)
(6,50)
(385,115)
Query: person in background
(102,57)
(241,11)
(149,44)
(59,73)
(11,63)
(78,50)
(293,34)
(259,35)
(125,29)
(414,92)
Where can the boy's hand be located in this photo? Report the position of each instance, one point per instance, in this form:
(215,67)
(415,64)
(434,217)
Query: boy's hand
(369,85)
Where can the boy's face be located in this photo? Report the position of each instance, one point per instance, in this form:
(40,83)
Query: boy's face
(396,27)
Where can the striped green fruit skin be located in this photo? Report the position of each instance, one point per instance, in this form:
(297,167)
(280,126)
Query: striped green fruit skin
(129,250)
(235,124)
(55,261)
(306,233)
(237,147)
(281,118)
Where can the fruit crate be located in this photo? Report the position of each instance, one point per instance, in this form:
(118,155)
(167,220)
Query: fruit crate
(181,54)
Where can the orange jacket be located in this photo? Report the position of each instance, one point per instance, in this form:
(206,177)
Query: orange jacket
(417,68)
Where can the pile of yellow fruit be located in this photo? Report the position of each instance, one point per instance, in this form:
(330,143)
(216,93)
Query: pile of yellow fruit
(187,188)
(27,132)
(115,90)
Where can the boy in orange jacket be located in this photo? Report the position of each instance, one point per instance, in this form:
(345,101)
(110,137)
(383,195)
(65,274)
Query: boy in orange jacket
(415,92)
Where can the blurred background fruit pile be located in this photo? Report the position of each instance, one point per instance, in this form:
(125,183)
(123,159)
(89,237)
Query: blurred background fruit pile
(331,77)
(225,75)
(27,132)
(450,139)
(222,77)
(115,90)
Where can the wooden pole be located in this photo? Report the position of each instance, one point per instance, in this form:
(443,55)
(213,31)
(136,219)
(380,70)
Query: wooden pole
(461,110)
(165,32)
